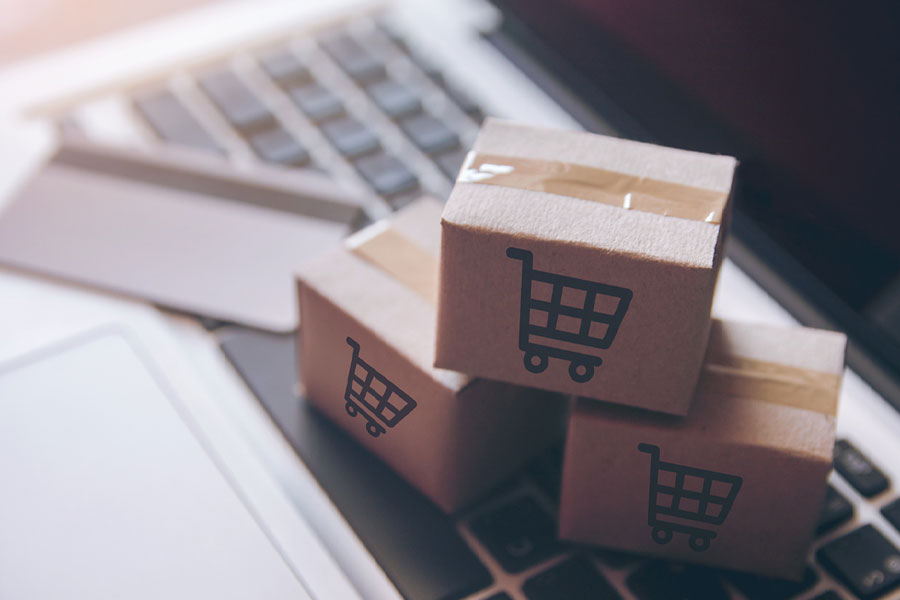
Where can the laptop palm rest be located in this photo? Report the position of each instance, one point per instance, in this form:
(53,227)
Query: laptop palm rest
(108,492)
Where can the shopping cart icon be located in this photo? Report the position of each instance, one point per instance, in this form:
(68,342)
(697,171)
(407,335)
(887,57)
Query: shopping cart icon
(680,494)
(374,396)
(570,320)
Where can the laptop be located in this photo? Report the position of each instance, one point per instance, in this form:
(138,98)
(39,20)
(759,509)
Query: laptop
(418,77)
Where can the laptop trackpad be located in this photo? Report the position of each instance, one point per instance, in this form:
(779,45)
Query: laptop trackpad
(107,492)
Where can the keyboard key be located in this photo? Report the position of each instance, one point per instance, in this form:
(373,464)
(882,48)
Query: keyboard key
(210,324)
(350,137)
(173,122)
(285,68)
(858,470)
(238,104)
(394,99)
(615,559)
(836,510)
(429,134)
(891,512)
(279,146)
(387,175)
(547,472)
(864,560)
(658,580)
(755,587)
(412,540)
(828,595)
(358,62)
(465,103)
(572,579)
(519,534)
(392,34)
(431,70)
(316,101)
(450,162)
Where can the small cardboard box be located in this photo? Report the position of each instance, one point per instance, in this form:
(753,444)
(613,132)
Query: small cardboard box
(739,482)
(366,347)
(565,250)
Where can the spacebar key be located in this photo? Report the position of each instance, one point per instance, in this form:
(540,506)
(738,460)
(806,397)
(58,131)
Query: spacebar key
(416,544)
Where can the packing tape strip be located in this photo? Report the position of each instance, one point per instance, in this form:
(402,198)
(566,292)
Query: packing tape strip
(398,256)
(630,192)
(770,382)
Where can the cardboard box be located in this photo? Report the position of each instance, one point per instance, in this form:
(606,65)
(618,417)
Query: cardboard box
(747,467)
(368,309)
(545,228)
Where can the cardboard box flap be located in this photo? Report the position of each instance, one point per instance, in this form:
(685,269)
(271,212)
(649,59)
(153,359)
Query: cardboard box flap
(801,347)
(573,220)
(390,298)
(420,222)
(695,169)
(386,247)
(612,188)
(766,413)
(753,361)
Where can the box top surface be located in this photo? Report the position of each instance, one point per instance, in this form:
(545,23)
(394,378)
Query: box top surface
(397,314)
(742,420)
(575,221)
(802,347)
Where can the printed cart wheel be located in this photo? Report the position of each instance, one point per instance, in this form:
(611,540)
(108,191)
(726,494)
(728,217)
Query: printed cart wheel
(699,543)
(534,362)
(373,429)
(351,409)
(581,372)
(662,536)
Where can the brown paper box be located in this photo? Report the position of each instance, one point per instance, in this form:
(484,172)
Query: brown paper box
(451,436)
(762,426)
(650,274)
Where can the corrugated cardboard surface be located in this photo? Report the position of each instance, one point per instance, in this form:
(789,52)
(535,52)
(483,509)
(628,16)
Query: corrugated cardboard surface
(463,436)
(670,265)
(782,454)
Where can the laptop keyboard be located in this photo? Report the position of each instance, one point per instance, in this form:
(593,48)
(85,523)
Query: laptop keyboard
(359,103)
(518,534)
(864,560)
(356,96)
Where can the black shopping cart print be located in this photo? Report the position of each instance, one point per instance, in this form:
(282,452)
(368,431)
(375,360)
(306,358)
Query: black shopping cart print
(683,498)
(566,318)
(374,396)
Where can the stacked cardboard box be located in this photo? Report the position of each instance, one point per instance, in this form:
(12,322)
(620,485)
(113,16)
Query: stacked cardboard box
(583,264)
(578,265)
(737,483)
(367,350)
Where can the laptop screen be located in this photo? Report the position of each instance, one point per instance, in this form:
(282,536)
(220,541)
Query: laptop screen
(803,94)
